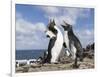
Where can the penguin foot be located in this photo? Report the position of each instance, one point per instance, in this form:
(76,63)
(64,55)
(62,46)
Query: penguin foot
(75,66)
(81,59)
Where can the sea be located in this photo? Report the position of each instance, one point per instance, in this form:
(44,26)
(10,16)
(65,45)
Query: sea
(28,54)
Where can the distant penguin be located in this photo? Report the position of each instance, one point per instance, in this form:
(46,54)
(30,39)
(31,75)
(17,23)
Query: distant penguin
(72,43)
(55,43)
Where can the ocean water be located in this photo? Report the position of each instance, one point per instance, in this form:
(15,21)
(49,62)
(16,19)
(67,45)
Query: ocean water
(29,54)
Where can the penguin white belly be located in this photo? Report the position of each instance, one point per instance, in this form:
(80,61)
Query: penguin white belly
(66,40)
(57,47)
(73,49)
(56,51)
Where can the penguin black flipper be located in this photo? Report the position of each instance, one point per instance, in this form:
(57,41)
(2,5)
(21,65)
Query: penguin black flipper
(64,44)
(50,46)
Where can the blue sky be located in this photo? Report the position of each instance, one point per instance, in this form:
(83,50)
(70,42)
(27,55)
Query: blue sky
(31,22)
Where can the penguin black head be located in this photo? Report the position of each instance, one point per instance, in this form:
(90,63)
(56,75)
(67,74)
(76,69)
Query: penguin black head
(51,31)
(66,26)
(51,24)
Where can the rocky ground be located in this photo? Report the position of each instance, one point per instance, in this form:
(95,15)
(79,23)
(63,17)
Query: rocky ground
(86,64)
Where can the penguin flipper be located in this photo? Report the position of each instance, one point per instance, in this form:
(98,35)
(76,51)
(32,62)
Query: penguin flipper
(64,44)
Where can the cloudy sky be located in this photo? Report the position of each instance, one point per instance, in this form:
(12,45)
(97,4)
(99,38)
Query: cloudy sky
(31,22)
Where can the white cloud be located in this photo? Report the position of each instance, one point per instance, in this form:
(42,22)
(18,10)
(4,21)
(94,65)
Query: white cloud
(29,35)
(25,26)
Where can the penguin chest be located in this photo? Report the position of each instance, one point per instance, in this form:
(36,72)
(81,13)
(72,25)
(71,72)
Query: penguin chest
(66,39)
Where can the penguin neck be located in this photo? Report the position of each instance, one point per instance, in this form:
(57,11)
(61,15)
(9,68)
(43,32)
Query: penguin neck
(66,35)
(70,32)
